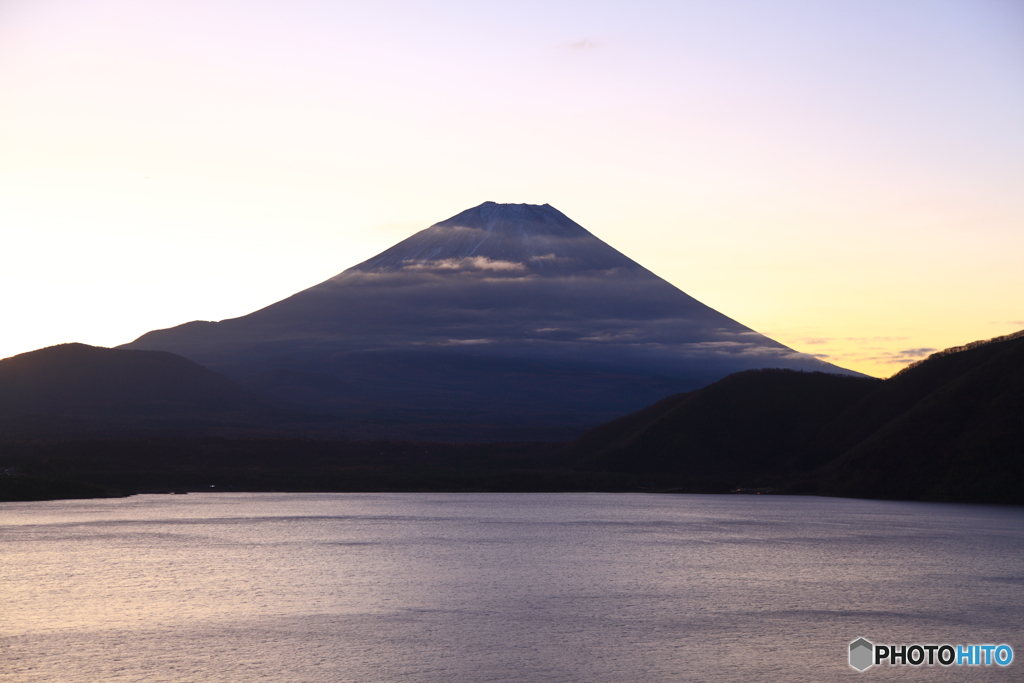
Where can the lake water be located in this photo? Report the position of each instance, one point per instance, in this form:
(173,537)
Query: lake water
(469,588)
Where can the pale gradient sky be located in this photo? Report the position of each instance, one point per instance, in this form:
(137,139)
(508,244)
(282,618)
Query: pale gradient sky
(845,177)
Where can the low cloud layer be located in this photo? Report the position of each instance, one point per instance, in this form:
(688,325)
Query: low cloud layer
(467,264)
(876,350)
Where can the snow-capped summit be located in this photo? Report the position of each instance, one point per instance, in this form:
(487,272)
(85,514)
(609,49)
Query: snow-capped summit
(540,239)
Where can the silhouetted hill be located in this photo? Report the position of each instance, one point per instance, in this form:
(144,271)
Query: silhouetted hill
(747,428)
(948,428)
(74,388)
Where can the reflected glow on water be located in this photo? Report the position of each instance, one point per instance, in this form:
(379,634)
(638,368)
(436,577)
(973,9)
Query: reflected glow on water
(497,587)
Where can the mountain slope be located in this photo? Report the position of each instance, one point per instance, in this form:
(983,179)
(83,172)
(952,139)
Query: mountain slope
(511,318)
(948,428)
(74,387)
(739,430)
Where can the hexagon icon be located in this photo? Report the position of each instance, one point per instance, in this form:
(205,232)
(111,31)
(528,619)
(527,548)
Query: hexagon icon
(860,654)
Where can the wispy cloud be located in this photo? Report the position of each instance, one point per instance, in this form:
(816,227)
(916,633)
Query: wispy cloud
(900,357)
(917,353)
(468,263)
(585,44)
(612,335)
(548,257)
(878,355)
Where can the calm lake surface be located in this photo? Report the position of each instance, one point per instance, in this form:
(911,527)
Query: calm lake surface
(468,588)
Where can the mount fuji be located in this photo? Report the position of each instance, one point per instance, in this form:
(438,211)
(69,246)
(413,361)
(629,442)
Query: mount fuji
(504,322)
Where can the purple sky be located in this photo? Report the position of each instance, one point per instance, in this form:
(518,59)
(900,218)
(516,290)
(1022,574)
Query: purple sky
(844,177)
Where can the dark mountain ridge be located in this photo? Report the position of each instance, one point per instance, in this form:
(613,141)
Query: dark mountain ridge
(752,423)
(78,389)
(948,428)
